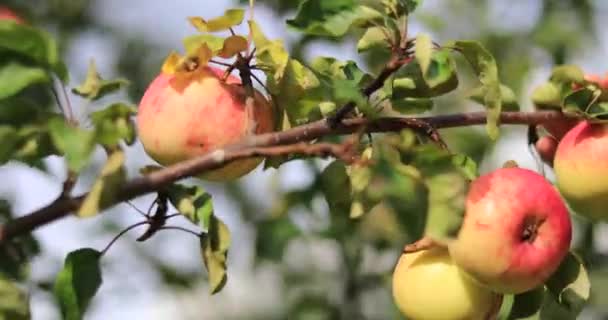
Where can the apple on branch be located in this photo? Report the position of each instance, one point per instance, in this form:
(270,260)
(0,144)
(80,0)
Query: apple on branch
(515,233)
(190,110)
(582,171)
(427,285)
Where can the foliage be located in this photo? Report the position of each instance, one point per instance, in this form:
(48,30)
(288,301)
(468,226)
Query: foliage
(402,185)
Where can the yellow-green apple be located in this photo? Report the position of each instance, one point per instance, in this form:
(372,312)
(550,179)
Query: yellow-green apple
(546,147)
(515,232)
(427,285)
(185,115)
(8,14)
(581,169)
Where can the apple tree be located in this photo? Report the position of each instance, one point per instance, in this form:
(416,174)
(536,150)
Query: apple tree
(394,141)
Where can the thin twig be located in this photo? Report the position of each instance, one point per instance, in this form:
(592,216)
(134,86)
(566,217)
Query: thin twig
(123,232)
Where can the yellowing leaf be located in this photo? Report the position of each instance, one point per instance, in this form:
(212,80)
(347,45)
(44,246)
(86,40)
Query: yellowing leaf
(192,43)
(231,17)
(203,55)
(232,46)
(106,187)
(95,87)
(171,63)
(214,249)
(424,50)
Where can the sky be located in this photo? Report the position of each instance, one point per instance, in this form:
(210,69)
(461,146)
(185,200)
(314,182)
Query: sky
(130,291)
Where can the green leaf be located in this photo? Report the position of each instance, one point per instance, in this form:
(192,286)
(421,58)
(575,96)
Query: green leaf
(412,105)
(331,18)
(509,99)
(34,44)
(581,101)
(95,87)
(231,18)
(570,285)
(336,187)
(114,124)
(78,282)
(192,202)
(466,165)
(106,188)
(14,302)
(527,305)
(485,67)
(75,143)
(547,96)
(273,236)
(374,37)
(193,43)
(271,55)
(401,7)
(423,52)
(440,78)
(16,76)
(214,249)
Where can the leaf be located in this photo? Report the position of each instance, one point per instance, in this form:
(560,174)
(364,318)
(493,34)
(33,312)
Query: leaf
(15,76)
(273,236)
(580,102)
(114,124)
(192,43)
(78,282)
(336,187)
(214,249)
(527,305)
(423,52)
(95,87)
(331,18)
(412,105)
(547,96)
(192,202)
(567,74)
(107,186)
(374,37)
(509,99)
(570,285)
(14,302)
(231,18)
(466,165)
(34,44)
(233,45)
(485,67)
(272,55)
(440,78)
(402,7)
(75,143)
(171,63)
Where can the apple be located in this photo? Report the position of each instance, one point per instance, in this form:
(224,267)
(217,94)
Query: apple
(427,285)
(546,147)
(581,169)
(8,14)
(184,116)
(515,232)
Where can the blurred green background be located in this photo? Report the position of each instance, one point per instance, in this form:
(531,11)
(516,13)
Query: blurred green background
(290,258)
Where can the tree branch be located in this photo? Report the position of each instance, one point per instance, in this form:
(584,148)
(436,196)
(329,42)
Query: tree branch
(270,144)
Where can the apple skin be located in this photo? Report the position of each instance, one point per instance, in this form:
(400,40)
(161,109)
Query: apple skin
(427,285)
(546,147)
(8,14)
(515,232)
(581,169)
(181,117)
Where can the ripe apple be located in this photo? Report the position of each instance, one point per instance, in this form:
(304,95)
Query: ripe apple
(427,285)
(184,116)
(546,147)
(8,14)
(581,169)
(515,232)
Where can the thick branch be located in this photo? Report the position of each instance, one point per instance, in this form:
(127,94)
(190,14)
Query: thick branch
(259,146)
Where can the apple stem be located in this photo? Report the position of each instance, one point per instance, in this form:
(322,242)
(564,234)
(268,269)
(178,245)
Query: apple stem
(424,243)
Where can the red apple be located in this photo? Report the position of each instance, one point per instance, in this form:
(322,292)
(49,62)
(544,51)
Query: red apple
(581,169)
(546,147)
(516,231)
(428,286)
(8,14)
(187,115)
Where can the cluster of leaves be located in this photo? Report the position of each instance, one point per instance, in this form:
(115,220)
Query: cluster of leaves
(569,91)
(419,183)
